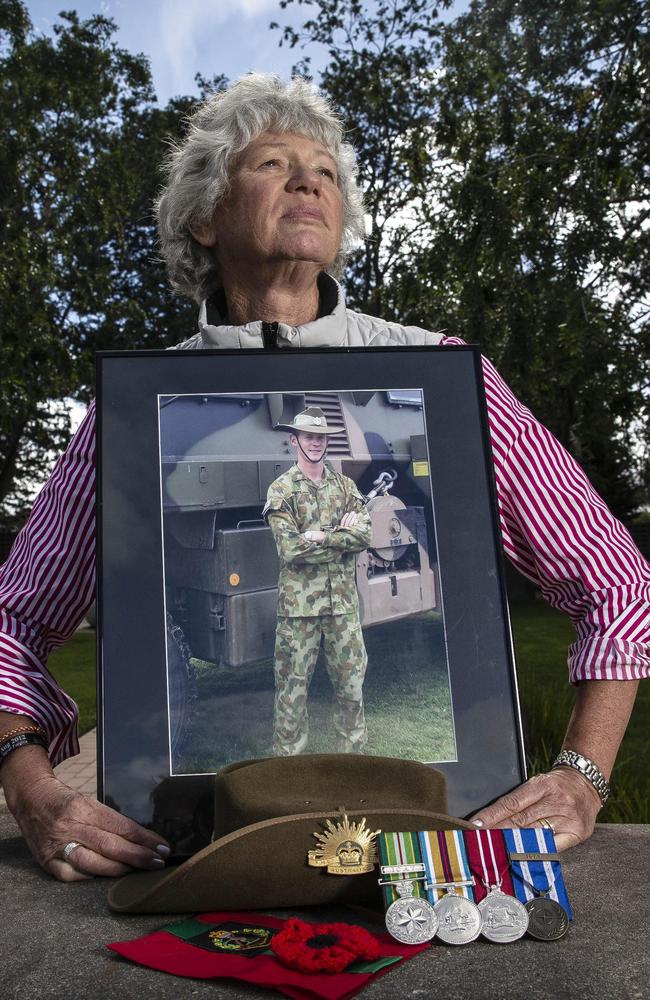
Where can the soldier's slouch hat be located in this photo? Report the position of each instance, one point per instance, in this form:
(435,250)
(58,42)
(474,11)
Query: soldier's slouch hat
(312,420)
(271,813)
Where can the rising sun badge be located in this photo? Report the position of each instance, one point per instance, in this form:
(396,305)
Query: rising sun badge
(345,848)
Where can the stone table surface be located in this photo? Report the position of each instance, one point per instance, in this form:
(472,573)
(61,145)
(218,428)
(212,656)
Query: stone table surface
(53,937)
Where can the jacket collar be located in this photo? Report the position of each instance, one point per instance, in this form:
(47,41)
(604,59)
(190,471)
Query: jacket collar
(329,330)
(299,476)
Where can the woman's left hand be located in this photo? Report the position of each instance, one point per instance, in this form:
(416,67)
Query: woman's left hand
(562,797)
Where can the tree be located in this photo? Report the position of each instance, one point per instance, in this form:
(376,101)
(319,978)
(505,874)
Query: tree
(511,198)
(78,269)
(541,112)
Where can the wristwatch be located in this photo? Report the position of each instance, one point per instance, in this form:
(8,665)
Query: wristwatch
(586,767)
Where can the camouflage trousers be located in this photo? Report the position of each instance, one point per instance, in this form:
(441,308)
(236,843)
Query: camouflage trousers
(297,644)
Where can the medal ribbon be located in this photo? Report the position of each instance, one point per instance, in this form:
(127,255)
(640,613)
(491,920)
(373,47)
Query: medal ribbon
(400,849)
(489,862)
(445,860)
(535,878)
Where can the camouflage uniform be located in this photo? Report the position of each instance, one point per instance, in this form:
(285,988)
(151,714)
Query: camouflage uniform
(317,602)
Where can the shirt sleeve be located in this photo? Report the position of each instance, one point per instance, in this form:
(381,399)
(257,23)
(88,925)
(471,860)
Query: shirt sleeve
(352,539)
(291,546)
(560,534)
(46,586)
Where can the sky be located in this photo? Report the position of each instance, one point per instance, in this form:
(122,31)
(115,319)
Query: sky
(183,37)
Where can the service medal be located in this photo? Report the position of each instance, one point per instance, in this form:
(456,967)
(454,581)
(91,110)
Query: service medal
(410,919)
(459,919)
(547,919)
(537,874)
(504,918)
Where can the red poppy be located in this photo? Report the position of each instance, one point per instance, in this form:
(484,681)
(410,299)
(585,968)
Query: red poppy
(323,947)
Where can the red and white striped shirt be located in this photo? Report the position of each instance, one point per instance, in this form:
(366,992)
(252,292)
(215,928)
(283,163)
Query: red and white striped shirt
(555,529)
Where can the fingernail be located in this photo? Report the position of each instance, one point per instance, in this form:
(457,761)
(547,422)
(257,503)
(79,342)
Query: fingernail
(478,822)
(163,850)
(156,863)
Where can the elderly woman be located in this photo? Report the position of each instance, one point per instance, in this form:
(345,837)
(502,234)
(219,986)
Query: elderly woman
(260,206)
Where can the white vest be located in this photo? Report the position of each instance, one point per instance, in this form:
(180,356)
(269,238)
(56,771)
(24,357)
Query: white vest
(340,328)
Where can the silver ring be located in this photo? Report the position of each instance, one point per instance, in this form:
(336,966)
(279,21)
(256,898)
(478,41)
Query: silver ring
(546,823)
(69,848)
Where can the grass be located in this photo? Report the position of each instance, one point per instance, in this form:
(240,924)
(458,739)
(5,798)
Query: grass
(406,666)
(541,639)
(73,665)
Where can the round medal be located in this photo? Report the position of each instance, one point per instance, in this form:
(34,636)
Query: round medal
(459,920)
(411,920)
(547,919)
(504,918)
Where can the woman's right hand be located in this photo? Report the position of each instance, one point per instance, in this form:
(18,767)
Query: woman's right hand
(51,815)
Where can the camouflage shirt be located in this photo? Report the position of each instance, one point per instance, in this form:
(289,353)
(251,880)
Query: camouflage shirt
(316,578)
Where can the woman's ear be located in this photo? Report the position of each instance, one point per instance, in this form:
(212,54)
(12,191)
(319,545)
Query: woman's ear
(206,235)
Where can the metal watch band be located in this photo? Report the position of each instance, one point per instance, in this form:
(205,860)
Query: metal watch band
(586,767)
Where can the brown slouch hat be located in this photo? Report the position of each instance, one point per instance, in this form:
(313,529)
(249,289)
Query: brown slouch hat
(271,813)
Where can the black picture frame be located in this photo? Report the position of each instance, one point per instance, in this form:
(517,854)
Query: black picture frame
(137,773)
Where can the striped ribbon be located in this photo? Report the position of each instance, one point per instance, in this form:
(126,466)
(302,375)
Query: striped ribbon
(542,875)
(400,849)
(445,860)
(488,861)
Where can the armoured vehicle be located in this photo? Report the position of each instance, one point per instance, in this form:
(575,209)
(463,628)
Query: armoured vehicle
(219,455)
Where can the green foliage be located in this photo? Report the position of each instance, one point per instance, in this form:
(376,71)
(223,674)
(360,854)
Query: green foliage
(504,157)
(79,162)
(73,666)
(540,112)
(541,636)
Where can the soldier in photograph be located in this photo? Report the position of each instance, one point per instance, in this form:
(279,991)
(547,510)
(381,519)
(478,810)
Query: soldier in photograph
(320,523)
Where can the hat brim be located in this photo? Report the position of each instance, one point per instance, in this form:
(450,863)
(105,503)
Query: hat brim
(265,865)
(327,431)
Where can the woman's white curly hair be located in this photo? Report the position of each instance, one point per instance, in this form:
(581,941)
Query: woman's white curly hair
(197,169)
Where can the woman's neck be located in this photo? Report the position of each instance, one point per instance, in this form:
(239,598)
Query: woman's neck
(288,295)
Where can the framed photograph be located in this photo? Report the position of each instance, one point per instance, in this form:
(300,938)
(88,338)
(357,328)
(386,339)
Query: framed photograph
(298,553)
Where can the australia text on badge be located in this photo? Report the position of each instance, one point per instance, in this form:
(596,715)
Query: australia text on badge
(345,848)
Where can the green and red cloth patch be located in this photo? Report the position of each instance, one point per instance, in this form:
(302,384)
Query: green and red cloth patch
(247,947)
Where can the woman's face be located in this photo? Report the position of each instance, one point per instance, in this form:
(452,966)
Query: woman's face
(284,204)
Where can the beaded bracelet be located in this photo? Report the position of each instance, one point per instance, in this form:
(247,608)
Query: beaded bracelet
(8,746)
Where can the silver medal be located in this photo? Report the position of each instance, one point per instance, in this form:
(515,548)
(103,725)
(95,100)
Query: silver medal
(410,919)
(459,920)
(505,919)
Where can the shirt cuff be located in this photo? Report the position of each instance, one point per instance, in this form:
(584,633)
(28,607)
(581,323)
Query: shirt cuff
(27,688)
(607,659)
